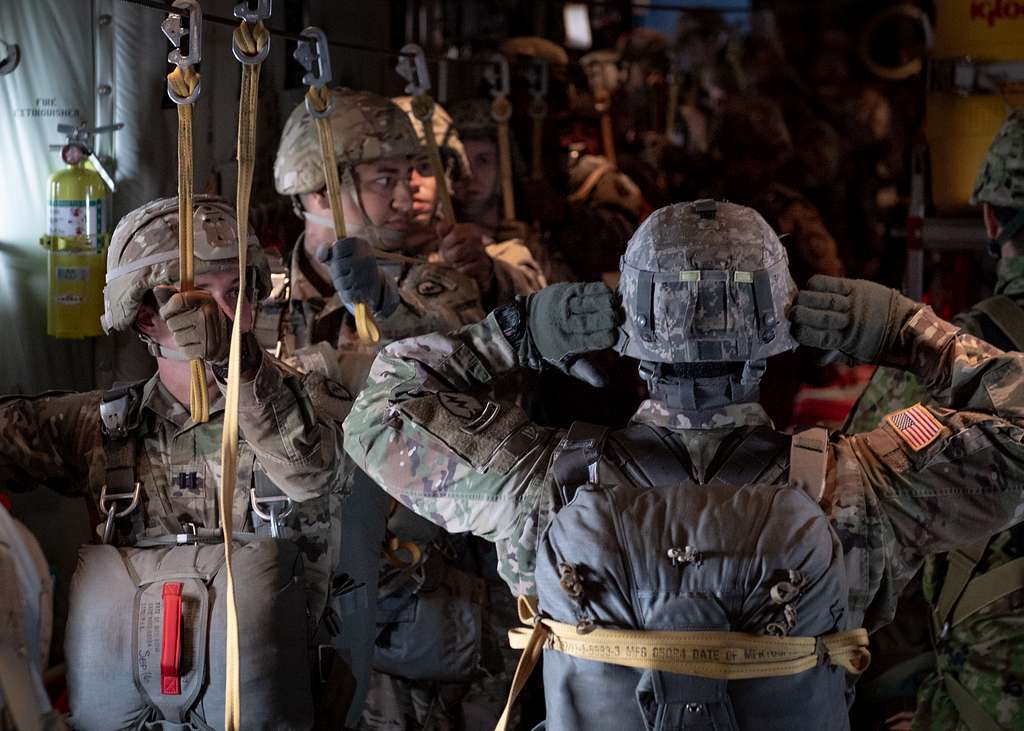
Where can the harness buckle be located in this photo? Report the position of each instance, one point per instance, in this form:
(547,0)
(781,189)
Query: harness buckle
(108,505)
(273,515)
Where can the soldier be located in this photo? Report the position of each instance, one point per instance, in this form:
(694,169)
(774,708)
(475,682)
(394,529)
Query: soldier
(699,516)
(980,672)
(501,269)
(139,442)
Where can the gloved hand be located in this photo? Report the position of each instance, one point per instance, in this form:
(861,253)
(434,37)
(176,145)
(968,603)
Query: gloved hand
(854,316)
(567,320)
(200,327)
(354,272)
(462,247)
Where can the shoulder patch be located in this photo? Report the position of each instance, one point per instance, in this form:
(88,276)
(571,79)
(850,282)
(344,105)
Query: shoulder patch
(460,405)
(915,425)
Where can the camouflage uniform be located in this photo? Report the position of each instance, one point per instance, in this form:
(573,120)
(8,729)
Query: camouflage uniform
(426,428)
(289,427)
(516,272)
(315,331)
(982,652)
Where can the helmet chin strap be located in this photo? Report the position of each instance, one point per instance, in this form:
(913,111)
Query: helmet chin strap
(159,351)
(702,386)
(368,231)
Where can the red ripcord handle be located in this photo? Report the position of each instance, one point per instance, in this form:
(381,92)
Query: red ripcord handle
(170,654)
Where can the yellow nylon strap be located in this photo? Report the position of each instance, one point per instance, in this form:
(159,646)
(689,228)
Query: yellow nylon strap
(250,39)
(423,109)
(538,111)
(673,107)
(183,81)
(319,98)
(508,200)
(719,655)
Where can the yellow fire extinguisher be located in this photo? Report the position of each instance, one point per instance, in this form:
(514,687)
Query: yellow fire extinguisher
(77,233)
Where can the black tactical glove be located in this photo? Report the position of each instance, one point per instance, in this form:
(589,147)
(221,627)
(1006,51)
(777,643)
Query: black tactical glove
(200,328)
(355,273)
(856,317)
(567,320)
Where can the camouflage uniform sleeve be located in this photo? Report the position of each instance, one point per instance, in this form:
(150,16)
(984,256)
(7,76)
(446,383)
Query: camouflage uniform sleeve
(426,430)
(293,424)
(816,247)
(898,497)
(516,272)
(50,439)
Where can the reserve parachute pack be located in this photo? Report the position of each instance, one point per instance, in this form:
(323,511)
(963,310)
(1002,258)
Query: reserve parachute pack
(669,603)
(145,644)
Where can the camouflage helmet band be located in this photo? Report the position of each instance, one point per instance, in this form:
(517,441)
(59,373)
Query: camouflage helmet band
(749,291)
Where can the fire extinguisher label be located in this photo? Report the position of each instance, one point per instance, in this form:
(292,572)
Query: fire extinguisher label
(78,219)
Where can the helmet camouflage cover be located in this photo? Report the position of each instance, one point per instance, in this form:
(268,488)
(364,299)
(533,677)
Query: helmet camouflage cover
(445,134)
(593,177)
(1000,181)
(534,47)
(143,253)
(366,127)
(473,119)
(705,281)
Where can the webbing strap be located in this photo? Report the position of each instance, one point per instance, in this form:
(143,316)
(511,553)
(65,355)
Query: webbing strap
(183,81)
(808,462)
(501,111)
(319,100)
(757,450)
(608,135)
(988,588)
(962,563)
(1006,315)
(717,655)
(250,39)
(972,714)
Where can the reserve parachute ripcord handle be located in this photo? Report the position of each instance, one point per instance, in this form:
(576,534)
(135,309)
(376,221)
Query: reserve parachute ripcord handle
(183,87)
(497,76)
(315,58)
(250,44)
(412,66)
(538,78)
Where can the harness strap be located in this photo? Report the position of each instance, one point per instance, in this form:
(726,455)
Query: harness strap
(717,655)
(962,563)
(808,462)
(591,181)
(1006,315)
(756,452)
(972,714)
(580,449)
(988,588)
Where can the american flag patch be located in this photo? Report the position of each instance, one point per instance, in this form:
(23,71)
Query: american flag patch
(916,426)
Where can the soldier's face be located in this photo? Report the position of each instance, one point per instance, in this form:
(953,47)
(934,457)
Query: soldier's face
(424,200)
(483,185)
(387,189)
(223,286)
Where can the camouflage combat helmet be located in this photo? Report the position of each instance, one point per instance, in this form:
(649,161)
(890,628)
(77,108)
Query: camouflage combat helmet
(593,177)
(143,253)
(366,127)
(1000,180)
(473,119)
(447,136)
(705,281)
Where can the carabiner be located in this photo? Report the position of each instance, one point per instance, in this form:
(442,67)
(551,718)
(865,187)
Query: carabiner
(316,59)
(172,28)
(412,66)
(244,11)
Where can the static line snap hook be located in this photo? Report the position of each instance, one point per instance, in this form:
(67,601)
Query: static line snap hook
(176,33)
(316,59)
(537,75)
(412,66)
(245,12)
(497,75)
